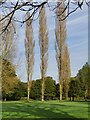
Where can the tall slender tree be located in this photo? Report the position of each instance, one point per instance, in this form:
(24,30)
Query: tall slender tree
(29,51)
(60,32)
(66,72)
(43,43)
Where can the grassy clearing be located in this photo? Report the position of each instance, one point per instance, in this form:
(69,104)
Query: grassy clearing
(47,109)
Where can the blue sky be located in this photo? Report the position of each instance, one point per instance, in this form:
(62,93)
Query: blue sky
(77,41)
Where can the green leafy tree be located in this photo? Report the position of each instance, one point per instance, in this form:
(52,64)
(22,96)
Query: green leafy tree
(57,91)
(23,89)
(73,88)
(10,82)
(50,88)
(36,89)
(83,81)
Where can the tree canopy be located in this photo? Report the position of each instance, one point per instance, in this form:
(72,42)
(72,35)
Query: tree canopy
(10,82)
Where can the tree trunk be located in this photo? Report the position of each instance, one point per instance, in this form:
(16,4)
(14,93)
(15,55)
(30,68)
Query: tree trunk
(60,73)
(60,91)
(72,98)
(66,96)
(28,90)
(43,89)
(5,99)
(42,78)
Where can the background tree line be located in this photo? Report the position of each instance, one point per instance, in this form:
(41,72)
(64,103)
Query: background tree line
(14,89)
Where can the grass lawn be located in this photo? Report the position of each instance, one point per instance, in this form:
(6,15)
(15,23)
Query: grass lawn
(47,109)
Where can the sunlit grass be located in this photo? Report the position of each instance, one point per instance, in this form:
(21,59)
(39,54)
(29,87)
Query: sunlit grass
(47,109)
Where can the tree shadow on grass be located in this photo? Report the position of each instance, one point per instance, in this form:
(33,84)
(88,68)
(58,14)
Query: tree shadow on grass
(36,111)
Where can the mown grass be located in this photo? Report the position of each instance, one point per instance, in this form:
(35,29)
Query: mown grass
(47,109)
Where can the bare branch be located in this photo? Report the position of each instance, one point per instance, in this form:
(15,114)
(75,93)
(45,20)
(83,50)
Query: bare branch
(34,7)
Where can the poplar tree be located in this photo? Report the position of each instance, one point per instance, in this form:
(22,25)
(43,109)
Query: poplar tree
(60,32)
(29,52)
(43,43)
